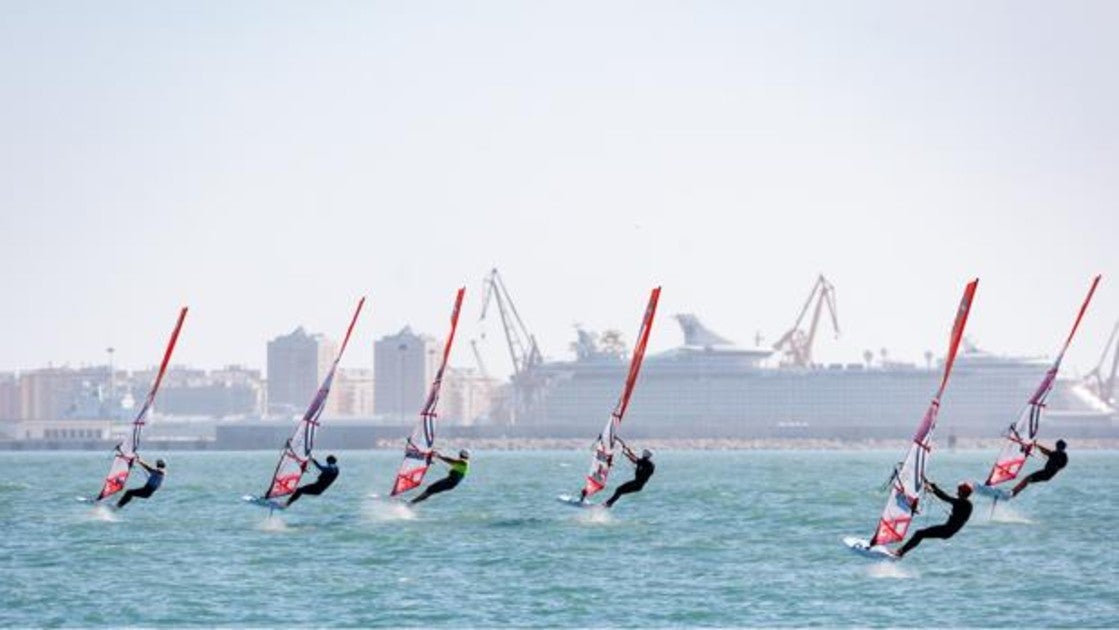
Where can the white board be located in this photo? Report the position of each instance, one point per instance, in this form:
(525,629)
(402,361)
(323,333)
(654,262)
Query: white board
(999,494)
(862,547)
(262,502)
(574,501)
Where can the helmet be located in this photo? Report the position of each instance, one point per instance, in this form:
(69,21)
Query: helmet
(647,454)
(330,459)
(1061,445)
(159,463)
(964,490)
(464,454)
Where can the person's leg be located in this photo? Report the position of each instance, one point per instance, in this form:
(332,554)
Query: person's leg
(937,531)
(125,498)
(313,489)
(294,496)
(442,485)
(625,488)
(136,493)
(1037,477)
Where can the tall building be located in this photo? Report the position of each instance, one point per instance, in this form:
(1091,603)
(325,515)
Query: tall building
(228,392)
(56,393)
(297,363)
(403,366)
(352,394)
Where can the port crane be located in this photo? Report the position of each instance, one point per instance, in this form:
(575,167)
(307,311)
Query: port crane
(1105,387)
(796,344)
(523,350)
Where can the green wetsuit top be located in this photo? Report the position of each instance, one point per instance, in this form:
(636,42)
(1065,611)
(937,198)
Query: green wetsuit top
(460,468)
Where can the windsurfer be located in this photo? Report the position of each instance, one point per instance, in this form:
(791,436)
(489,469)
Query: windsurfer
(460,466)
(961,512)
(1056,459)
(327,475)
(155,480)
(645,469)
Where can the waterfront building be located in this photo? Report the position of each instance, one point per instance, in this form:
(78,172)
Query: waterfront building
(352,394)
(403,366)
(297,363)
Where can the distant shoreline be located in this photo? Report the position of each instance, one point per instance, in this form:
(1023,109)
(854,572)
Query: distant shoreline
(569,444)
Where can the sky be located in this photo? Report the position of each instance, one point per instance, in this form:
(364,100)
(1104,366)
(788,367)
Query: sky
(267,163)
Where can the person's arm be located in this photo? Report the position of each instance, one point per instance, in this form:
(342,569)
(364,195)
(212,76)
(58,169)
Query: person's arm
(1044,451)
(316,463)
(940,494)
(446,460)
(630,454)
(146,465)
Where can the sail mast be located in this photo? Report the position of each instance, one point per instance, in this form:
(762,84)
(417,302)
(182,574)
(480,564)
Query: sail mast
(297,450)
(420,444)
(1020,435)
(126,451)
(907,483)
(603,457)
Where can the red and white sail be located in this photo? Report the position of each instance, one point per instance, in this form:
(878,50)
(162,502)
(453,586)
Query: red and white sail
(603,457)
(907,484)
(1021,434)
(420,444)
(297,450)
(126,451)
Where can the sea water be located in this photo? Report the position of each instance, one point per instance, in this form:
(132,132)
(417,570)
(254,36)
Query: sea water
(746,538)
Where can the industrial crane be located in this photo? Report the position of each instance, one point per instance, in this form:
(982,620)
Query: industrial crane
(1105,387)
(522,344)
(796,345)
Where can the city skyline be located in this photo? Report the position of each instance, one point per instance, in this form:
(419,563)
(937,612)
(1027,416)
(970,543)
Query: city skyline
(267,164)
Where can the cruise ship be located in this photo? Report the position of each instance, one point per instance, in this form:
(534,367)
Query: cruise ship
(711,388)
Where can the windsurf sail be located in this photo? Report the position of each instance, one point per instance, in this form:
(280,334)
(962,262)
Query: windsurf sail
(421,443)
(1020,435)
(126,452)
(297,450)
(603,457)
(908,481)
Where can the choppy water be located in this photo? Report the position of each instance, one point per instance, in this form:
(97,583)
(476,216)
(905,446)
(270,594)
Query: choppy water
(727,539)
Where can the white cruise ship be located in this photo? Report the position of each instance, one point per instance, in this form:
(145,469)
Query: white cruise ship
(709,387)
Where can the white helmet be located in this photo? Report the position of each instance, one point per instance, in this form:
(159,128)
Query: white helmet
(464,454)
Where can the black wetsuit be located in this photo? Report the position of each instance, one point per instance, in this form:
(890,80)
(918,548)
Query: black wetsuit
(961,512)
(1053,465)
(454,477)
(155,480)
(327,475)
(645,469)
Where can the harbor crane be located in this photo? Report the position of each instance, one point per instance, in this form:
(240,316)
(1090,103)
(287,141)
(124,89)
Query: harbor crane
(523,350)
(796,344)
(1104,387)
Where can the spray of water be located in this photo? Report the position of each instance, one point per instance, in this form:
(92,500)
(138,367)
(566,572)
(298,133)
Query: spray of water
(273,523)
(1004,513)
(104,514)
(380,510)
(596,516)
(890,570)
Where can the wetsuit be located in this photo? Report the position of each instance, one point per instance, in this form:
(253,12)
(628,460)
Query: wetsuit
(155,480)
(327,475)
(1053,465)
(459,468)
(961,512)
(645,470)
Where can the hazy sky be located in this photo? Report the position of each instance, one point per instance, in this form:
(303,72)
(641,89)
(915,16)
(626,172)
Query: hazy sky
(268,162)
